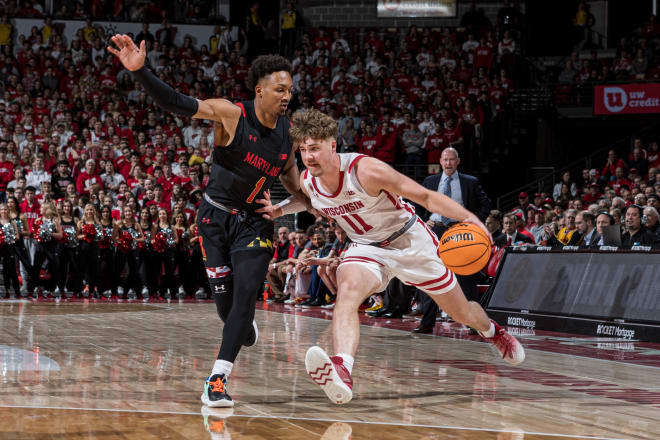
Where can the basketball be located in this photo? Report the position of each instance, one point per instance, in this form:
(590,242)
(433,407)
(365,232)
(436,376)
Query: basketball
(464,248)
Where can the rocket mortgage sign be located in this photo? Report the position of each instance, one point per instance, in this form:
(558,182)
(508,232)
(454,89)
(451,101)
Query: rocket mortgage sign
(613,99)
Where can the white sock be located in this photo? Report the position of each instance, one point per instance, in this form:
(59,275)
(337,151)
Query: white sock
(348,360)
(489,333)
(222,367)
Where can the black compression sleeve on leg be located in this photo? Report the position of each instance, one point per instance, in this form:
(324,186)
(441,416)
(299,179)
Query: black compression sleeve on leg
(165,96)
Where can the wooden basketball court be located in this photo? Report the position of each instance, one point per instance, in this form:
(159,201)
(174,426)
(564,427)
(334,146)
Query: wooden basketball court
(99,370)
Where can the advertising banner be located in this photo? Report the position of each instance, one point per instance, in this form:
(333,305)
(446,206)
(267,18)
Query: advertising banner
(620,99)
(598,285)
(416,8)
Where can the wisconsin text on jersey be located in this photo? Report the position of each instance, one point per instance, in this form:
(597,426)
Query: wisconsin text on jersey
(261,164)
(343,209)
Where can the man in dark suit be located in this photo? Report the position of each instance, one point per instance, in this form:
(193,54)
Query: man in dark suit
(466,190)
(510,234)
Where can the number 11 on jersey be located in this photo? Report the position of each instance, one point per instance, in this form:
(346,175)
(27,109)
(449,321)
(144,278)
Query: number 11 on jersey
(361,227)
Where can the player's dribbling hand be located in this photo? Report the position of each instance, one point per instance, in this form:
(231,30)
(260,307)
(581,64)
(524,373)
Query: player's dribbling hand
(129,54)
(269,211)
(475,221)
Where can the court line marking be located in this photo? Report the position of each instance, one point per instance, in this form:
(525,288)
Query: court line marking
(538,350)
(319,419)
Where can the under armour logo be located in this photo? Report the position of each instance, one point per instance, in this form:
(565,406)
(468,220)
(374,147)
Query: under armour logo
(252,138)
(206,220)
(283,156)
(349,193)
(219,288)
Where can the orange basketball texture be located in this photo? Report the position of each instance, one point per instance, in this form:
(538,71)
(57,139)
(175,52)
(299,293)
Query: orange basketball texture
(464,248)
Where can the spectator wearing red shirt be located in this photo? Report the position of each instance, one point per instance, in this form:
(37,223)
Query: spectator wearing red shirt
(160,199)
(322,41)
(385,148)
(483,55)
(367,142)
(88,178)
(167,180)
(6,172)
(594,194)
(435,143)
(30,207)
(451,134)
(613,162)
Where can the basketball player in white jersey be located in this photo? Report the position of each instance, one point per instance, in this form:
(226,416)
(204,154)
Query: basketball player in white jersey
(364,196)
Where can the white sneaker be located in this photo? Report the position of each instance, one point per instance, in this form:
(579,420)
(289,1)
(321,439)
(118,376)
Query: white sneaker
(328,306)
(57,293)
(120,291)
(131,294)
(200,294)
(330,374)
(145,293)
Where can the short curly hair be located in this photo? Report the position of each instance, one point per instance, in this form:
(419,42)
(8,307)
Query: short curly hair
(264,66)
(312,124)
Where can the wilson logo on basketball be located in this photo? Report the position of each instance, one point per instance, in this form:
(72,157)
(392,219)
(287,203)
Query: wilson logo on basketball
(466,236)
(464,248)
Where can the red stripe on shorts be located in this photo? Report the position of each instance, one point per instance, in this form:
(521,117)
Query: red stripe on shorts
(427,283)
(443,286)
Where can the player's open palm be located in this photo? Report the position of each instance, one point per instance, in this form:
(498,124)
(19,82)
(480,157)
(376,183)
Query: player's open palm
(131,56)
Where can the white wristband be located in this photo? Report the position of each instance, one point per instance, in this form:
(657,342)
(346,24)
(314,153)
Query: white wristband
(291,205)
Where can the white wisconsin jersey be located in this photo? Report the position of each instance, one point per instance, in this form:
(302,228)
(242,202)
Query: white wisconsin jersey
(365,218)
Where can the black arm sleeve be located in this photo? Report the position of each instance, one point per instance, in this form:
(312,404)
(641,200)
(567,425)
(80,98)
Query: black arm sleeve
(165,96)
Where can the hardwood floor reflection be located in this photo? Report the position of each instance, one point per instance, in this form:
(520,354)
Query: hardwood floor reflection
(135,371)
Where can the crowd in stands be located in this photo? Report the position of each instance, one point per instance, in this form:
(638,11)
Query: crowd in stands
(625,193)
(637,59)
(77,133)
(185,11)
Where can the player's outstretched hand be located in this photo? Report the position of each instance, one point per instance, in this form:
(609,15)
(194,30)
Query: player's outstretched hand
(475,220)
(128,53)
(269,211)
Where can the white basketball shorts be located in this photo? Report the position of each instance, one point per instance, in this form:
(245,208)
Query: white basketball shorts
(412,258)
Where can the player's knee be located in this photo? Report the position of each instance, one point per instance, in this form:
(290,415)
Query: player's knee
(348,296)
(220,279)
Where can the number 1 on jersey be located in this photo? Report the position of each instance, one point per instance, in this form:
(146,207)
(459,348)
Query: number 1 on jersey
(365,227)
(256,190)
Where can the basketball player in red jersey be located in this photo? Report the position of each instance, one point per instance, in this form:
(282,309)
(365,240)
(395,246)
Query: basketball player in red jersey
(364,196)
(252,149)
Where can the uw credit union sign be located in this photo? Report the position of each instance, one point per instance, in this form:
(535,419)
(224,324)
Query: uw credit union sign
(615,99)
